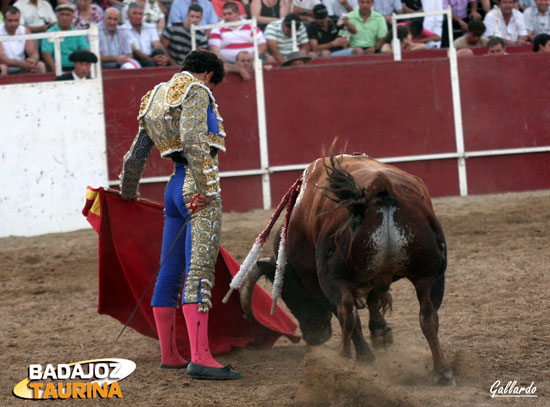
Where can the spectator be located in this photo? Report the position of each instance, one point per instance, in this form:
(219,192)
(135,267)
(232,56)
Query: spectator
(228,42)
(268,11)
(405,38)
(304,9)
(338,8)
(65,14)
(86,12)
(242,66)
(144,39)
(176,38)
(295,59)
(179,8)
(541,43)
(367,28)
(464,52)
(279,37)
(461,16)
(422,35)
(525,4)
(433,23)
(244,60)
(507,23)
(412,6)
(83,61)
(388,7)
(114,48)
(18,56)
(496,46)
(153,12)
(3,69)
(218,7)
(323,36)
(537,19)
(473,38)
(37,15)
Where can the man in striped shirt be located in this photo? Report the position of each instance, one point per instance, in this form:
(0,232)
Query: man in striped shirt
(176,38)
(279,37)
(227,43)
(114,49)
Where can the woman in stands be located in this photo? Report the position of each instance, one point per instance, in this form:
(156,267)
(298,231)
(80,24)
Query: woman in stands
(86,12)
(267,11)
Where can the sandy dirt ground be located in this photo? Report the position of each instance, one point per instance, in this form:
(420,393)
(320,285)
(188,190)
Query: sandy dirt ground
(495,322)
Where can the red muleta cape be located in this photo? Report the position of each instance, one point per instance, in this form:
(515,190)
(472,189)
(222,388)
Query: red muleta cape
(129,244)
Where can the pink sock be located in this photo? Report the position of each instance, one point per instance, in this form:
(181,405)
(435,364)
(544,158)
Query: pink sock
(197,328)
(165,319)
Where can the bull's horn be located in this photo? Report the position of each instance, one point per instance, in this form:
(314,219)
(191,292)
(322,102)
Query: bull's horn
(261,268)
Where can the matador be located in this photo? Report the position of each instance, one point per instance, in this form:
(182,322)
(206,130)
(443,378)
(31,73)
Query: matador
(181,119)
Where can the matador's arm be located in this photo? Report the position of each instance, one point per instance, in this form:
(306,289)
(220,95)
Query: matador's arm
(134,164)
(194,138)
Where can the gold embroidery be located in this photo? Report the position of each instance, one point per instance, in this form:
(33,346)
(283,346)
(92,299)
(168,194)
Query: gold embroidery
(206,237)
(215,140)
(169,146)
(178,88)
(145,102)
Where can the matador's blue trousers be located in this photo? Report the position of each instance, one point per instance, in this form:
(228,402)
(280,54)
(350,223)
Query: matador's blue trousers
(171,274)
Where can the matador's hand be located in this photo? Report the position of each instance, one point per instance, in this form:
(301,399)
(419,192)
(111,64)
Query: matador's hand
(202,201)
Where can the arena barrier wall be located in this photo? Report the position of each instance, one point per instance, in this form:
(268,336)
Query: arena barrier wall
(398,112)
(53,146)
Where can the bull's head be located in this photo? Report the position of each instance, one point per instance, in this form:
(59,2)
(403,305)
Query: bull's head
(313,315)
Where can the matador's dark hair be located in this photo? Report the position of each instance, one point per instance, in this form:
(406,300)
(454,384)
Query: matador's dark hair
(201,60)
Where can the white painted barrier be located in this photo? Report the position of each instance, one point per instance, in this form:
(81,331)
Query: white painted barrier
(52,146)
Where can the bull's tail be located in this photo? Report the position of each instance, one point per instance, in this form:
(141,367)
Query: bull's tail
(438,289)
(345,192)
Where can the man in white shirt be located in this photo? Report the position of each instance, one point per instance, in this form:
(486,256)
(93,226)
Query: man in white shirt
(338,8)
(304,8)
(144,39)
(387,8)
(19,56)
(537,19)
(37,15)
(507,23)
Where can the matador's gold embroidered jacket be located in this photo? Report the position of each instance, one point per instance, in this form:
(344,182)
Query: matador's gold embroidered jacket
(177,117)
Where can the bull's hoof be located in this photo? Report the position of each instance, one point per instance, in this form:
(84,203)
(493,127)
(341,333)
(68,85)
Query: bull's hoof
(365,357)
(446,378)
(382,337)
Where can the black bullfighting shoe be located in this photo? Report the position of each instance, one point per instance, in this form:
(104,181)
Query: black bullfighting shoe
(212,373)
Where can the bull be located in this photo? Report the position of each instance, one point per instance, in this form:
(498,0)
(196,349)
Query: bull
(356,226)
